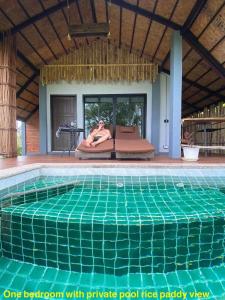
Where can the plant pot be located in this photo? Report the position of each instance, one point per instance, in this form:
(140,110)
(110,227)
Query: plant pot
(191,153)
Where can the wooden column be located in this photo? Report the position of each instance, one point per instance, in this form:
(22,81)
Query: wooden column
(8,134)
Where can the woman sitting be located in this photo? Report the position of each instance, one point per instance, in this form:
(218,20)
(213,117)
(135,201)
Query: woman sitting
(187,138)
(98,135)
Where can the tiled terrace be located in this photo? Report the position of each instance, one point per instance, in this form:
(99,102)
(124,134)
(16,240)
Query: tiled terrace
(65,159)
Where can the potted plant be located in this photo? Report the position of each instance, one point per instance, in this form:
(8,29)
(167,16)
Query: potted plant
(190,151)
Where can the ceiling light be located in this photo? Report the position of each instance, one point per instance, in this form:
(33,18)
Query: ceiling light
(85,30)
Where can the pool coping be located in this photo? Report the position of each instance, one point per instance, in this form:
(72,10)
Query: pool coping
(9,172)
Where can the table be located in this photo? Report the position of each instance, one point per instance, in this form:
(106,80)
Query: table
(74,135)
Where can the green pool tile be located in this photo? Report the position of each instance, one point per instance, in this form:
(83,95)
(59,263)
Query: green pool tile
(62,277)
(18,283)
(216,288)
(37,273)
(31,285)
(122,282)
(5,263)
(44,286)
(49,274)
(144,236)
(6,279)
(183,277)
(110,281)
(134,282)
(57,287)
(74,278)
(86,279)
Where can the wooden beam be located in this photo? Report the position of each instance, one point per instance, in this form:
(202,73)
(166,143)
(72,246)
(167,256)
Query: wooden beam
(146,13)
(134,27)
(197,8)
(53,27)
(195,84)
(93,11)
(120,30)
(31,113)
(187,34)
(204,53)
(21,56)
(43,14)
(25,38)
(149,27)
(26,84)
(38,30)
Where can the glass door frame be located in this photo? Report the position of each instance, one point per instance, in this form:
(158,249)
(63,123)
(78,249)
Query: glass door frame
(114,104)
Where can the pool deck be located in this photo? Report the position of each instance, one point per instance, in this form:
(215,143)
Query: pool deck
(6,163)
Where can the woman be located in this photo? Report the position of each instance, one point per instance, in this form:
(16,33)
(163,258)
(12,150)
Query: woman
(187,138)
(98,135)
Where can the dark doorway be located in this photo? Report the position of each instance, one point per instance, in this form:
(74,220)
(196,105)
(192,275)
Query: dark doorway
(63,112)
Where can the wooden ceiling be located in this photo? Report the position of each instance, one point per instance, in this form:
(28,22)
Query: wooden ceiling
(145,26)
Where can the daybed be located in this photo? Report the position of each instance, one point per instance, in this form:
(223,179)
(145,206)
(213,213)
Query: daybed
(102,150)
(129,144)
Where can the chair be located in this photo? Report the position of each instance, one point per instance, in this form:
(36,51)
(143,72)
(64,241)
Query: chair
(102,150)
(129,144)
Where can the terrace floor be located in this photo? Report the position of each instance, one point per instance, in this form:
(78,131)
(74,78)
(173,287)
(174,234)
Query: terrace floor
(65,159)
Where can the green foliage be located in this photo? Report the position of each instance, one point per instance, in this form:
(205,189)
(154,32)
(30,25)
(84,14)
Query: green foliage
(128,113)
(19,143)
(94,112)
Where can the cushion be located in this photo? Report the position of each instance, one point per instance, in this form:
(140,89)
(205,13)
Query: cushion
(106,146)
(133,146)
(126,129)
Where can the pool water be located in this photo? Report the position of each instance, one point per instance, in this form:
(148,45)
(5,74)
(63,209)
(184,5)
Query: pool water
(115,233)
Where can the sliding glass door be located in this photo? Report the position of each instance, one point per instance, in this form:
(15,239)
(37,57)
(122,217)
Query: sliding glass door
(125,110)
(97,108)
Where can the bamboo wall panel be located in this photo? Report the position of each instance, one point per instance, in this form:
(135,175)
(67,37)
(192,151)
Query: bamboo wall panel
(216,137)
(100,61)
(8,144)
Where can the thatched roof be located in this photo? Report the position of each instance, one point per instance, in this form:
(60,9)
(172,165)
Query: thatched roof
(143,26)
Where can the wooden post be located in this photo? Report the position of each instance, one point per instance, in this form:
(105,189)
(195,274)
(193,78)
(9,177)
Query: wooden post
(8,135)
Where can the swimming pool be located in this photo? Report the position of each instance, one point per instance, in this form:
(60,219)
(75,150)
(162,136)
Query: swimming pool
(147,229)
